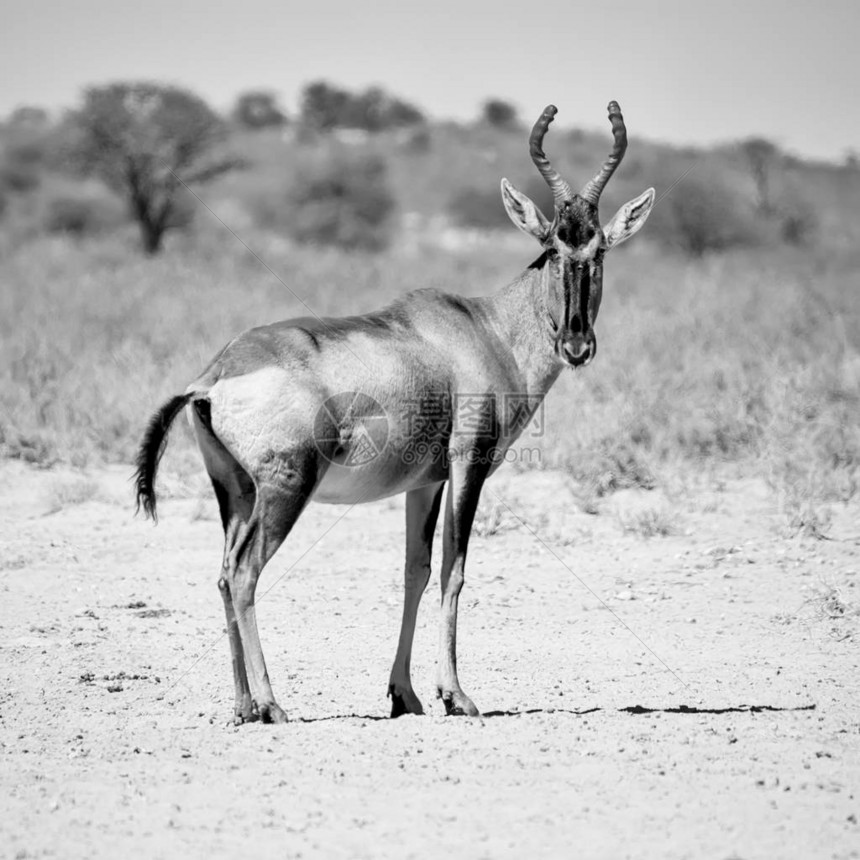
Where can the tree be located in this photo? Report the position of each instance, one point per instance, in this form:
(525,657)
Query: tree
(389,111)
(499,114)
(326,107)
(258,109)
(375,110)
(26,150)
(323,106)
(28,115)
(149,142)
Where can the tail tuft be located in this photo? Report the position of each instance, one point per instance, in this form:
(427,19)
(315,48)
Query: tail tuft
(151,449)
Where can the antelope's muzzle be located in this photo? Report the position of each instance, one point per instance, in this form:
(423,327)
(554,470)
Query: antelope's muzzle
(577,349)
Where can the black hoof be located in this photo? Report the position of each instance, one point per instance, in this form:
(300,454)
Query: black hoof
(398,706)
(457,704)
(244,712)
(271,713)
(403,704)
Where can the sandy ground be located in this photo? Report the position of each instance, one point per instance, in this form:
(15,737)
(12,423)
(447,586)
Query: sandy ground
(691,695)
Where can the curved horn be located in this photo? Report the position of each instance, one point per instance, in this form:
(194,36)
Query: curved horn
(593,189)
(561,191)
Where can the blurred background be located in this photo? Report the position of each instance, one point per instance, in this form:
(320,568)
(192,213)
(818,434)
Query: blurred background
(172,174)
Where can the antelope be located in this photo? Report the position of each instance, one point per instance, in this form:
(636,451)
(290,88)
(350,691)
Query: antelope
(325,410)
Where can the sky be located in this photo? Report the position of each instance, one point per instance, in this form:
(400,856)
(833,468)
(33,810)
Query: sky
(692,72)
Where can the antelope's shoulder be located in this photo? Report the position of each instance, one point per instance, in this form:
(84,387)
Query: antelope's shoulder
(436,303)
(436,316)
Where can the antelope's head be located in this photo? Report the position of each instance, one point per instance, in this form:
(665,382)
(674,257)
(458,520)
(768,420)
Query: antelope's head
(575,242)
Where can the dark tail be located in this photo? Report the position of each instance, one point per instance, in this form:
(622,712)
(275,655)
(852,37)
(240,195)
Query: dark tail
(151,449)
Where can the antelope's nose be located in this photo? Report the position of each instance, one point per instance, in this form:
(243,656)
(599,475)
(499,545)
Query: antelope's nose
(578,349)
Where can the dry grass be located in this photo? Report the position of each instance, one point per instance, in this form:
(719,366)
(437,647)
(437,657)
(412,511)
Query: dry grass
(657,521)
(65,492)
(492,517)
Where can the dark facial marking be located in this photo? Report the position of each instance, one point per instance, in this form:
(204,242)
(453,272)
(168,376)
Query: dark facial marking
(584,295)
(575,233)
(577,222)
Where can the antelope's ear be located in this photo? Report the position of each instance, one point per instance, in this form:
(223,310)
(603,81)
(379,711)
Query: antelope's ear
(629,219)
(524,213)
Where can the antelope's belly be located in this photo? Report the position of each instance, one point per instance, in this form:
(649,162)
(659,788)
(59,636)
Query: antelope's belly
(347,481)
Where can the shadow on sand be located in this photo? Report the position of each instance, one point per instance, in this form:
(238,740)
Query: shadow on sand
(640,709)
(630,709)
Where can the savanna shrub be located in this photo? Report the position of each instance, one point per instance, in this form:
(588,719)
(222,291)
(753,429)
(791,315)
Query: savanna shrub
(18,176)
(417,140)
(703,214)
(22,161)
(343,201)
(82,210)
(500,114)
(798,220)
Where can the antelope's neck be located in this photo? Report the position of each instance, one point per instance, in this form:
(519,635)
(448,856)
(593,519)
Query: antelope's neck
(519,317)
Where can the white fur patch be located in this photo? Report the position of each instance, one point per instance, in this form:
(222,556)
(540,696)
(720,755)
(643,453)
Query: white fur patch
(259,412)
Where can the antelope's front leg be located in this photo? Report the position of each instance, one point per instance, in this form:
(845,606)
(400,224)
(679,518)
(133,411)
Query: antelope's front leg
(422,511)
(464,490)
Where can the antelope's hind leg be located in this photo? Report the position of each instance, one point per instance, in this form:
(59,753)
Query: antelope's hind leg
(256,515)
(422,511)
(235,493)
(279,501)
